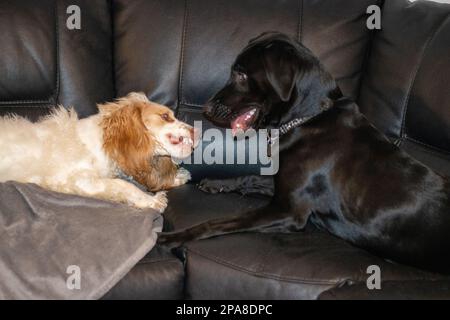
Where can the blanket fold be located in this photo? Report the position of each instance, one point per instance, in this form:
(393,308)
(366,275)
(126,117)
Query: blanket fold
(59,246)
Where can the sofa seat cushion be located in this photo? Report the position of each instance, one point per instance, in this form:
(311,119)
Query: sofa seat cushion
(303,265)
(189,206)
(159,275)
(290,266)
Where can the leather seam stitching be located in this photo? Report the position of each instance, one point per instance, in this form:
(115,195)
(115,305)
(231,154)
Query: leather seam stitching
(182,56)
(435,150)
(263,274)
(57,60)
(54,97)
(416,72)
(300,22)
(368,51)
(191,104)
(187,103)
(13,102)
(22,107)
(294,280)
(112,18)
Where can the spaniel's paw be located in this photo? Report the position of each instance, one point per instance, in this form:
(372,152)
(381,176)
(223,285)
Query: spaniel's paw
(157,202)
(161,201)
(182,177)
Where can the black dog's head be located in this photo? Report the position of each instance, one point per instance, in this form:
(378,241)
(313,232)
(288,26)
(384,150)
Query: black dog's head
(273,80)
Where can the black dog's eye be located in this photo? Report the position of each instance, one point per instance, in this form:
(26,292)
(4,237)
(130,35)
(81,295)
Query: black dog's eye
(241,77)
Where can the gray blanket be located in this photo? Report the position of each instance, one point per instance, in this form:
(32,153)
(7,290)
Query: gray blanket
(57,246)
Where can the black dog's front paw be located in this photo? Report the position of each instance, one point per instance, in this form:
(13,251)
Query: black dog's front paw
(212,186)
(168,240)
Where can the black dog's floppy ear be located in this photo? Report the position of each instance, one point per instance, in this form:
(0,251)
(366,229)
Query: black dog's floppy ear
(282,68)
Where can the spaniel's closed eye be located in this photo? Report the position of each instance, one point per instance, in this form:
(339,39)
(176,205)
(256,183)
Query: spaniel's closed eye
(174,138)
(166,117)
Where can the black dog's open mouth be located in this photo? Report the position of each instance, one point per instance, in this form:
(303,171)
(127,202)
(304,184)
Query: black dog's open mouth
(244,120)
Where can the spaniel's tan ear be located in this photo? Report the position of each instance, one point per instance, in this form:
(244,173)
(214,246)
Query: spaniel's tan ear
(127,141)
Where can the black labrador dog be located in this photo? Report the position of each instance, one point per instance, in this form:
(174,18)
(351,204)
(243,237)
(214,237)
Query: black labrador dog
(336,170)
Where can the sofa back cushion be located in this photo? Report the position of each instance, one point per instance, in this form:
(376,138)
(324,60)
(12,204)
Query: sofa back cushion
(179,52)
(405,91)
(43,63)
(28,56)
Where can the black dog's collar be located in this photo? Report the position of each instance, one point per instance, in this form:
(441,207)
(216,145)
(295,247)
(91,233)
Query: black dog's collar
(285,128)
(297,122)
(291,125)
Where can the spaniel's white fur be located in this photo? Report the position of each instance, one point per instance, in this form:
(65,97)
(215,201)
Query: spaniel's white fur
(65,154)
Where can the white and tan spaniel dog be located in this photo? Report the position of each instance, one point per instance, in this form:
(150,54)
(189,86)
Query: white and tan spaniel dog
(131,136)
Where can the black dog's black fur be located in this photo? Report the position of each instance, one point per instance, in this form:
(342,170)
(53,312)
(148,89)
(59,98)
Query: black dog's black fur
(336,171)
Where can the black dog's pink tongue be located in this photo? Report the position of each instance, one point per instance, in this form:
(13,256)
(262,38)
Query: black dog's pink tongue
(242,122)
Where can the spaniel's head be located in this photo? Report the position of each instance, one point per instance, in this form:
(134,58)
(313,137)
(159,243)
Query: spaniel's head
(134,129)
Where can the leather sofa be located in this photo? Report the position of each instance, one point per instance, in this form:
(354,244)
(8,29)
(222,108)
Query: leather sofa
(178,52)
